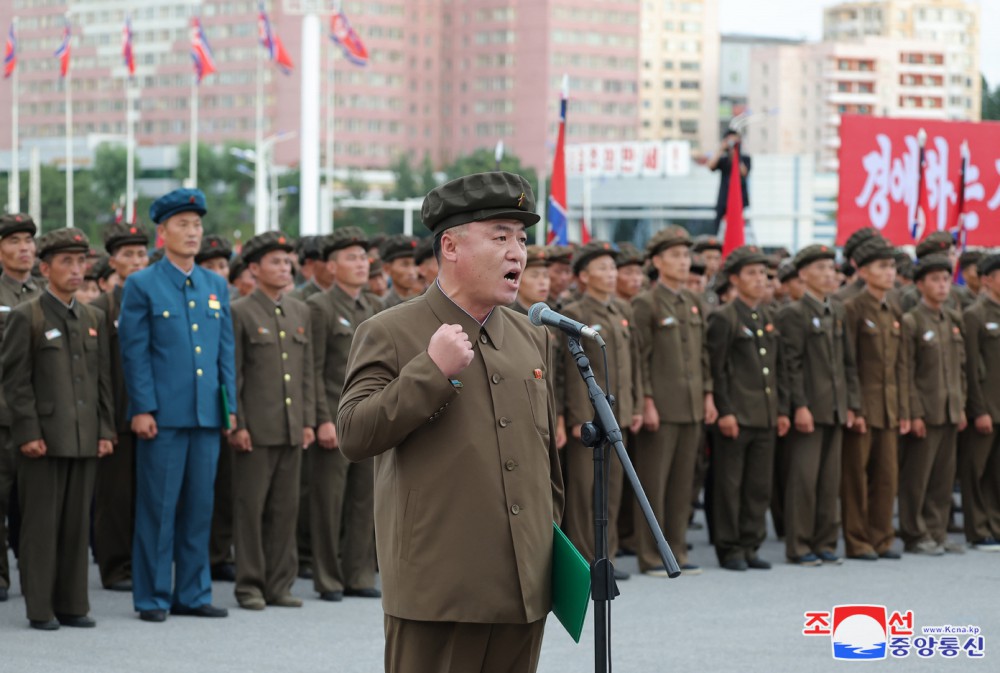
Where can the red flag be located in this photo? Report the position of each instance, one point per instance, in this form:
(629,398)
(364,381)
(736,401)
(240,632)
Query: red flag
(10,53)
(584,232)
(735,224)
(557,187)
(62,53)
(128,55)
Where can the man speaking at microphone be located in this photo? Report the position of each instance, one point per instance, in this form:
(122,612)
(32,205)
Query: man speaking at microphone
(450,392)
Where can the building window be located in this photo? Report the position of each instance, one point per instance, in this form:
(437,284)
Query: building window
(690,85)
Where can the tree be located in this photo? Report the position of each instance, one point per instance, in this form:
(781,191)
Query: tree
(991,102)
(109,172)
(483,160)
(427,179)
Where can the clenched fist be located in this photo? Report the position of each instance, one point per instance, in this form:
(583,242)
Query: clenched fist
(451,350)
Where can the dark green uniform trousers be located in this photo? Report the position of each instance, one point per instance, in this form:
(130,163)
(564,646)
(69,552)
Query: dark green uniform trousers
(114,511)
(220,544)
(926,481)
(742,470)
(979,474)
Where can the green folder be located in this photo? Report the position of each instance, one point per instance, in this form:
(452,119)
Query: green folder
(570,584)
(224,394)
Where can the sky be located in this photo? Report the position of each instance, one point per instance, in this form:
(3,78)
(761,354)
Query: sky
(804,18)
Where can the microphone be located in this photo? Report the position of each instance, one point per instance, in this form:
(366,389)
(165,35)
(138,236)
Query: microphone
(540,314)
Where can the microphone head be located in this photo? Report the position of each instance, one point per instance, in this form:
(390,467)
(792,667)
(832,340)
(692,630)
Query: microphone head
(535,313)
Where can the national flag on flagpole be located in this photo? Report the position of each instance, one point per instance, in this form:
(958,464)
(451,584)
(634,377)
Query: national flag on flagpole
(343,34)
(62,53)
(270,41)
(10,53)
(201,51)
(918,228)
(960,232)
(557,188)
(127,54)
(584,232)
(735,224)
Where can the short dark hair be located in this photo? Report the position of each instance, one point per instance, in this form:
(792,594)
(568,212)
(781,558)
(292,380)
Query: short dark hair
(437,246)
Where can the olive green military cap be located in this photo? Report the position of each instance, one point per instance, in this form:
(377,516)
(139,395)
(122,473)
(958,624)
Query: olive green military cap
(628,255)
(706,242)
(904,264)
(938,242)
(988,264)
(668,237)
(344,237)
(872,250)
(15,223)
(237,265)
(856,239)
(477,197)
(592,251)
(261,244)
(69,239)
(397,247)
(741,257)
(787,271)
(560,254)
(970,257)
(537,255)
(375,268)
(424,250)
(213,246)
(929,263)
(812,253)
(119,234)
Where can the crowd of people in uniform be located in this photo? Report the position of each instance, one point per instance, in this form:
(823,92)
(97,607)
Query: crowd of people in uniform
(824,393)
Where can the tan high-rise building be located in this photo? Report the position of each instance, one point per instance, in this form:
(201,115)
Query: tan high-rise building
(952,24)
(679,88)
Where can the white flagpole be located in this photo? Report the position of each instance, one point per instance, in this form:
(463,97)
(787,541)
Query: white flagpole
(129,152)
(14,182)
(35,187)
(193,147)
(260,165)
(330,121)
(68,85)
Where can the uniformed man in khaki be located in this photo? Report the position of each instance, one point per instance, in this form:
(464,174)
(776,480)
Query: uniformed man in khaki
(341,513)
(870,467)
(938,243)
(750,395)
(709,248)
(631,279)
(968,269)
(396,253)
(595,265)
(114,491)
(979,445)
(320,279)
(560,274)
(274,423)
(57,381)
(17,255)
(854,287)
(823,396)
(426,262)
(670,324)
(934,355)
(449,392)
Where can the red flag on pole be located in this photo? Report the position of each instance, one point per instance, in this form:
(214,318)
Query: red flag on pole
(735,224)
(584,232)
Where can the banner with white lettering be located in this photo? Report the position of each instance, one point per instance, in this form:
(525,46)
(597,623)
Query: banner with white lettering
(882,186)
(629,159)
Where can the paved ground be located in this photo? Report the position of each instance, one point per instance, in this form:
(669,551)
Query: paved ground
(718,621)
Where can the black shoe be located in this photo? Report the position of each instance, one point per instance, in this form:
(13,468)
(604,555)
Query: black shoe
(332,596)
(123,586)
(76,621)
(735,564)
(305,573)
(891,555)
(830,558)
(153,615)
(867,556)
(3,594)
(758,563)
(621,575)
(696,525)
(224,572)
(205,610)
(47,625)
(363,593)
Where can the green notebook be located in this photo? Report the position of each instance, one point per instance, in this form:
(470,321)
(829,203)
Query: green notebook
(224,394)
(570,584)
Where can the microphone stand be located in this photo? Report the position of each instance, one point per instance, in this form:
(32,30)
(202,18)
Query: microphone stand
(604,431)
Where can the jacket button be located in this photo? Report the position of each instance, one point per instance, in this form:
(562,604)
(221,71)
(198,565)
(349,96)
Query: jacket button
(197,349)
(514,509)
(495,378)
(762,351)
(510,465)
(482,338)
(504,422)
(288,401)
(166,314)
(194,327)
(191,303)
(766,371)
(288,377)
(767,390)
(284,356)
(282,334)
(199,372)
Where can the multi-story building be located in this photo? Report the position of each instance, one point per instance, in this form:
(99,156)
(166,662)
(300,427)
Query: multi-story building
(680,72)
(953,25)
(734,74)
(443,78)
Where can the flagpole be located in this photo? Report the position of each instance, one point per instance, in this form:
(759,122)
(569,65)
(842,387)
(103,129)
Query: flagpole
(68,84)
(330,121)
(193,145)
(260,186)
(14,183)
(129,152)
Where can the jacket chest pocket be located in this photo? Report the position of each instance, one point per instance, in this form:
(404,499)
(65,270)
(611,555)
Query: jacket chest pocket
(538,395)
(90,344)
(300,338)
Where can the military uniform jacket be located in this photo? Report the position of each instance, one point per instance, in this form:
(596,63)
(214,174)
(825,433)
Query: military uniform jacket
(110,303)
(672,334)
(303,293)
(12,293)
(558,377)
(335,318)
(614,323)
(982,351)
(745,355)
(467,476)
(958,299)
(818,360)
(58,382)
(850,290)
(392,298)
(274,369)
(875,331)
(176,338)
(934,353)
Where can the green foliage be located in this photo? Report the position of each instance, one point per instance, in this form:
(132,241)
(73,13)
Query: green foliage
(991,102)
(483,160)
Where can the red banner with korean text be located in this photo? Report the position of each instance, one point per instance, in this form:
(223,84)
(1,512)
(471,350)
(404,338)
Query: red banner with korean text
(880,179)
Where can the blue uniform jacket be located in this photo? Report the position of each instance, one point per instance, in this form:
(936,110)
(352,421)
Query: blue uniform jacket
(176,339)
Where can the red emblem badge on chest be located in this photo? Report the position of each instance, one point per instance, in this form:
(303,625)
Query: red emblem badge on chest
(538,373)
(769,327)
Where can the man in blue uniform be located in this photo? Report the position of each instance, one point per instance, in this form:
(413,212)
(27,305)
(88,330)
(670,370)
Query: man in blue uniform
(177,347)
